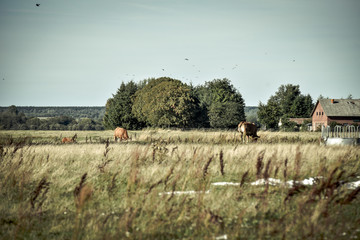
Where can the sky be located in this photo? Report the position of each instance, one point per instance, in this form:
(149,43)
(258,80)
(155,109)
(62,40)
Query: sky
(78,52)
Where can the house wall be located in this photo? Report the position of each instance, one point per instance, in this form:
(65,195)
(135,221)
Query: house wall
(319,118)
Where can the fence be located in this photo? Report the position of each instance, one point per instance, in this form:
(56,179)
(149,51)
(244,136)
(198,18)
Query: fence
(340,132)
(341,135)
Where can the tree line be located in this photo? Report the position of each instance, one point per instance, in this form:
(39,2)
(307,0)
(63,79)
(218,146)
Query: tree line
(95,113)
(13,119)
(166,102)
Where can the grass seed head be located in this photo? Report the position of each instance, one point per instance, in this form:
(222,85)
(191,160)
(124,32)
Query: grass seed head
(243,178)
(205,170)
(260,164)
(222,162)
(43,187)
(84,195)
(78,189)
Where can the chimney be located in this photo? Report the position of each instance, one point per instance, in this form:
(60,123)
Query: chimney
(332,101)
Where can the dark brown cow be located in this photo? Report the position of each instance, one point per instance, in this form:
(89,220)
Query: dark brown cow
(248,129)
(69,140)
(120,133)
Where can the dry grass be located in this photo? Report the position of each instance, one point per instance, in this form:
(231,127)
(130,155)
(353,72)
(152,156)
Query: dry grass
(46,193)
(167,136)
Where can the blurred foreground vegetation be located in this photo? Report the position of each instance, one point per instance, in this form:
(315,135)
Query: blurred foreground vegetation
(128,190)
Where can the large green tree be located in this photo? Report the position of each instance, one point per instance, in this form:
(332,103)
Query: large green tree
(223,104)
(165,102)
(119,108)
(302,106)
(288,102)
(269,114)
(285,97)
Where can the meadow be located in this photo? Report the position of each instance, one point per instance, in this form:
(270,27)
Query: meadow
(172,184)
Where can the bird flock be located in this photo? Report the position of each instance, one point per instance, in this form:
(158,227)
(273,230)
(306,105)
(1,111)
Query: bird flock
(186,59)
(195,70)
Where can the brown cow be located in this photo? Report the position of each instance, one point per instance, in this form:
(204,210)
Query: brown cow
(248,129)
(120,133)
(69,140)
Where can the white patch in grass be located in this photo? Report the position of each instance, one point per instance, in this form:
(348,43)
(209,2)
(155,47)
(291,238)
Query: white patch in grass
(274,182)
(221,237)
(183,192)
(225,184)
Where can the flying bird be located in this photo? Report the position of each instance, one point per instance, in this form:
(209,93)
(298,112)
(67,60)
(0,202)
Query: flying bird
(38,4)
(163,69)
(186,59)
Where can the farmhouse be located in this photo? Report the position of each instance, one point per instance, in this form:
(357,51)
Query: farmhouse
(341,111)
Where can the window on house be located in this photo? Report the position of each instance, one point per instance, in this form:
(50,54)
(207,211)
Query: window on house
(317,113)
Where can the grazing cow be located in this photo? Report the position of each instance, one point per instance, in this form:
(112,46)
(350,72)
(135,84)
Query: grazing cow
(69,140)
(248,129)
(120,133)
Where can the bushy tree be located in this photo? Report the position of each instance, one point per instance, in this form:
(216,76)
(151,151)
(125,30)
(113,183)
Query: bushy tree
(13,119)
(302,106)
(269,114)
(285,98)
(223,104)
(33,123)
(118,111)
(165,102)
(288,102)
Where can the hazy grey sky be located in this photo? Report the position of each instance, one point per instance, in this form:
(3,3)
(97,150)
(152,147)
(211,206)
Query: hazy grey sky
(77,52)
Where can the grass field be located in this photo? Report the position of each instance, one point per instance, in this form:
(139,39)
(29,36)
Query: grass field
(160,185)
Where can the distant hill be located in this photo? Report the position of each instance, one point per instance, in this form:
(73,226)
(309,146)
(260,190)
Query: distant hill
(75,112)
(251,113)
(82,112)
(251,109)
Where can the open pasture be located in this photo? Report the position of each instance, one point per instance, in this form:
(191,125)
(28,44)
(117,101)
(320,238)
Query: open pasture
(160,185)
(154,135)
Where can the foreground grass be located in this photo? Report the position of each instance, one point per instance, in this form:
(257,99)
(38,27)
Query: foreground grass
(113,191)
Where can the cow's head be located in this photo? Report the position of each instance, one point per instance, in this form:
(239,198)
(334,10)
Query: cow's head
(255,138)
